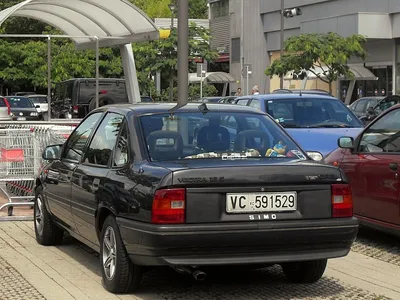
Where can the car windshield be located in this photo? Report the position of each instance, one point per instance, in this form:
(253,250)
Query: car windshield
(39,100)
(216,135)
(20,102)
(304,112)
(386,103)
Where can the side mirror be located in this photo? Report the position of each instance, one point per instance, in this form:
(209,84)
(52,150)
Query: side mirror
(346,142)
(52,152)
(37,106)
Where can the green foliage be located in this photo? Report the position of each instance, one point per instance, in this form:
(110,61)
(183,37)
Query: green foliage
(162,55)
(310,52)
(197,9)
(23,62)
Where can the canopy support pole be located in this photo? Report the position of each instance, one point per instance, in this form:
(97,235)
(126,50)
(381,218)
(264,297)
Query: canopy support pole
(350,91)
(49,78)
(97,72)
(131,79)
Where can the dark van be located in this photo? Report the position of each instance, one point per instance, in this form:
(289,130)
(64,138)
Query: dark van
(72,98)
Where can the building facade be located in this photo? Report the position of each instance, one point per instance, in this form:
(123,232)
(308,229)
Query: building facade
(254,39)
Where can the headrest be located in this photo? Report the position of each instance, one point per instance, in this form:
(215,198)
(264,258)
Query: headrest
(151,124)
(170,146)
(243,136)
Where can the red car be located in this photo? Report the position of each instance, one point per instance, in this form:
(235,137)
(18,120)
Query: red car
(371,163)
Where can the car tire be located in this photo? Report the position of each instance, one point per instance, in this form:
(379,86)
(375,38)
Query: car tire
(119,274)
(46,232)
(305,271)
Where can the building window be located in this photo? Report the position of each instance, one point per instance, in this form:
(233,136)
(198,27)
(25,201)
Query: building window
(219,9)
(235,50)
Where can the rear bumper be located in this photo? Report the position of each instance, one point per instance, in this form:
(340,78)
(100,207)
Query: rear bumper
(229,244)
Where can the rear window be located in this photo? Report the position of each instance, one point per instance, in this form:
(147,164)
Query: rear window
(20,102)
(114,90)
(216,135)
(39,100)
(313,112)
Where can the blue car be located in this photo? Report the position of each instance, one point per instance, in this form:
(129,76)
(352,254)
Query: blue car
(315,121)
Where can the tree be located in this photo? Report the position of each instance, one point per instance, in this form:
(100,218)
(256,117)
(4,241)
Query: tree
(162,55)
(324,55)
(198,9)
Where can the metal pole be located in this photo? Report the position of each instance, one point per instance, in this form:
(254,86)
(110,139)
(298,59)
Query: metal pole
(183,52)
(97,72)
(201,81)
(49,78)
(282,35)
(247,80)
(171,80)
(242,46)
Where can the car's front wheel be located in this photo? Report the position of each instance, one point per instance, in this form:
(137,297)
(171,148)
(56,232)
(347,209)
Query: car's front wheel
(119,273)
(305,271)
(46,232)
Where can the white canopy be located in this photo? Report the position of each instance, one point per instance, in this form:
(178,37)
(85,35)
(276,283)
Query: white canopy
(101,18)
(212,77)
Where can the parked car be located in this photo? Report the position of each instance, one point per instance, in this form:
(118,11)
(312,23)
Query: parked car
(134,191)
(371,163)
(40,100)
(311,91)
(384,104)
(5,110)
(72,97)
(314,121)
(228,99)
(209,99)
(360,106)
(23,109)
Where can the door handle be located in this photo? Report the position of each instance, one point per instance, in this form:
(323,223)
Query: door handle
(96,184)
(393,166)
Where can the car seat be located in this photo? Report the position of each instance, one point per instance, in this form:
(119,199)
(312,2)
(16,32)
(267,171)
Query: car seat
(246,140)
(167,151)
(213,137)
(151,124)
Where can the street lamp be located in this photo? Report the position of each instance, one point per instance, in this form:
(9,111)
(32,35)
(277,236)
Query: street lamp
(286,13)
(172,8)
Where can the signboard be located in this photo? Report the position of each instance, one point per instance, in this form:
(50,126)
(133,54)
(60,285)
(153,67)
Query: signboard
(247,71)
(201,68)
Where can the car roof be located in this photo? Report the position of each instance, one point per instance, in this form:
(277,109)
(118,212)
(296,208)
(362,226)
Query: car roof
(164,107)
(288,96)
(36,95)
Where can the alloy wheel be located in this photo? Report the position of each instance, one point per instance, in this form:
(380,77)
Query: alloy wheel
(109,253)
(39,215)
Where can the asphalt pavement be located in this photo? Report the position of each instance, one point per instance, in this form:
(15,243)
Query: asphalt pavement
(72,271)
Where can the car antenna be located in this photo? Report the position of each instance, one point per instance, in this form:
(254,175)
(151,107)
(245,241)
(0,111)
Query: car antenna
(203,108)
(300,93)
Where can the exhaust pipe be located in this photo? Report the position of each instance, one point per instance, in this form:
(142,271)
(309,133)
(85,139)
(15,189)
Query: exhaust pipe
(199,275)
(183,270)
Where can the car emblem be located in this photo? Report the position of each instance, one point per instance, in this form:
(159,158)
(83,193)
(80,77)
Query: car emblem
(21,114)
(262,189)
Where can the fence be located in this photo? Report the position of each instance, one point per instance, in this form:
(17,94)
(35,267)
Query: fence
(21,147)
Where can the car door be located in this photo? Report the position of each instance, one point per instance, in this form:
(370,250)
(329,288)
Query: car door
(373,170)
(88,180)
(58,187)
(359,109)
(255,103)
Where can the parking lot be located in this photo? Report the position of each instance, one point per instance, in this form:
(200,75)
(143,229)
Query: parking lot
(71,271)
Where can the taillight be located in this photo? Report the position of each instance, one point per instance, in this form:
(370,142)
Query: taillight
(169,206)
(8,106)
(342,203)
(75,109)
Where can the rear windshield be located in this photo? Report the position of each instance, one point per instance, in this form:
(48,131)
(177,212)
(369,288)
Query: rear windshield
(39,100)
(115,91)
(216,135)
(19,102)
(311,113)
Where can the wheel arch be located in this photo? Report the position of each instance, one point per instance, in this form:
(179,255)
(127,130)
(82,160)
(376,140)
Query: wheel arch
(103,211)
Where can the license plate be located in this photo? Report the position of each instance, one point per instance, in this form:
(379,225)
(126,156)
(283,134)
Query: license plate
(21,119)
(261,202)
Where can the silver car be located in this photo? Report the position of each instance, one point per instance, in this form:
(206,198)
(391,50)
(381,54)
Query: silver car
(5,110)
(40,100)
